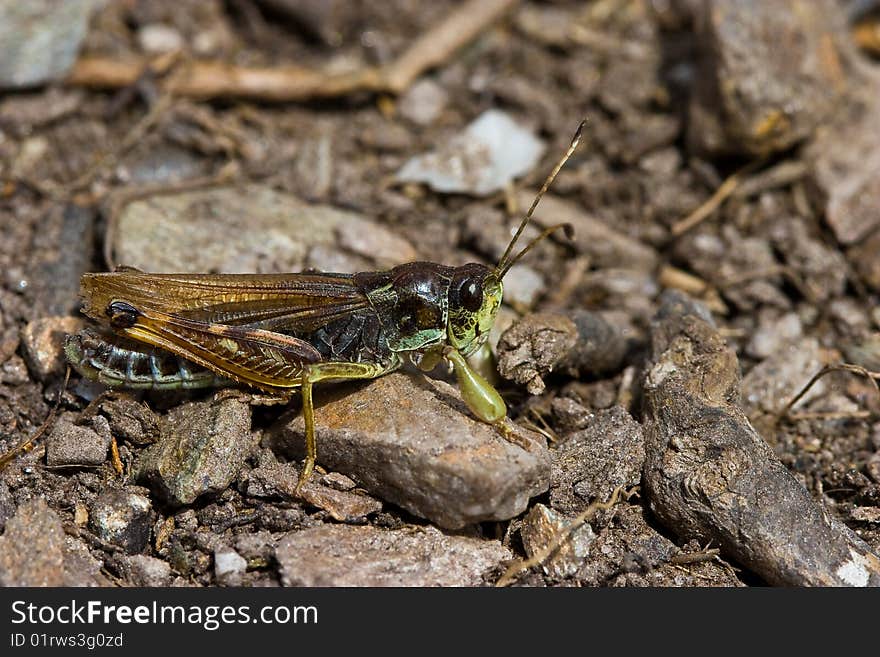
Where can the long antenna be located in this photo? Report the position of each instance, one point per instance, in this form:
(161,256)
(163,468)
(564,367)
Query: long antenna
(506,261)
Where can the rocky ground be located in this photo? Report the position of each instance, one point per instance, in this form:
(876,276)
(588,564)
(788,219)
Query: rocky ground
(726,213)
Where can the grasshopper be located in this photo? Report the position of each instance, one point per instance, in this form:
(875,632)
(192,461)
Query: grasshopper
(282,332)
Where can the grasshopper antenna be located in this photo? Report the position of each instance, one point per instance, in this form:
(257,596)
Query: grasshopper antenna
(506,261)
(27,444)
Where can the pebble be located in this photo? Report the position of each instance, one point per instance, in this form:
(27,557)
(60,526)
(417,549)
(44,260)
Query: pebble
(863,257)
(845,174)
(423,102)
(229,567)
(40,39)
(410,440)
(273,479)
(590,463)
(144,570)
(541,527)
(533,347)
(770,384)
(179,232)
(123,518)
(156,38)
(32,547)
(773,332)
(70,444)
(131,420)
(42,342)
(491,152)
(770,73)
(202,448)
(345,555)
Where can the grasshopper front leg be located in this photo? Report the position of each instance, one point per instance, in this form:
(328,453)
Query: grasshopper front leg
(479,395)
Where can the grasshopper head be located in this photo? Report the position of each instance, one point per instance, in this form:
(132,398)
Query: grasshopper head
(474,298)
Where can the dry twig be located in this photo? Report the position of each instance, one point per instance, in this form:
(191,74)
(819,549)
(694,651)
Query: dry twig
(208,79)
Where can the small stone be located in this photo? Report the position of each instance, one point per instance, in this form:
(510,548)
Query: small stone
(73,445)
(491,152)
(14,372)
(156,38)
(229,567)
(522,286)
(273,479)
(131,420)
(345,555)
(423,102)
(541,527)
(338,481)
(410,440)
(771,384)
(866,514)
(773,332)
(144,570)
(589,464)
(863,257)
(42,342)
(32,547)
(40,39)
(533,347)
(177,232)
(845,172)
(122,518)
(202,448)
(769,73)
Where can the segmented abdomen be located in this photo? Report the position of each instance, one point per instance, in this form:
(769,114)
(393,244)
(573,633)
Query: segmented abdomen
(114,361)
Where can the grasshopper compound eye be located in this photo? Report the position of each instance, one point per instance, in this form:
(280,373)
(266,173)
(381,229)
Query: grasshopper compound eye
(467,294)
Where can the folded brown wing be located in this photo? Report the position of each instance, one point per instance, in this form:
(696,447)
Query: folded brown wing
(275,302)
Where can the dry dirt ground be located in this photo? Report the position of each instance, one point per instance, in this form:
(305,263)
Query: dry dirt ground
(726,211)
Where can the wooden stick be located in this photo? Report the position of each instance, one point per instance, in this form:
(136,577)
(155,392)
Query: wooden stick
(210,79)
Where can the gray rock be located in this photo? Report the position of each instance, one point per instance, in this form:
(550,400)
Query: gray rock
(423,102)
(769,73)
(61,252)
(863,257)
(410,440)
(710,476)
(42,342)
(491,152)
(273,479)
(143,570)
(179,232)
(773,332)
(589,464)
(533,347)
(34,551)
(73,445)
(229,567)
(344,555)
(39,39)
(202,448)
(131,420)
(123,518)
(771,384)
(845,168)
(541,527)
